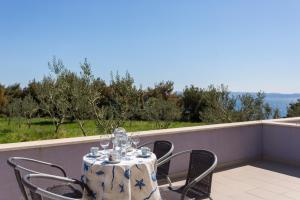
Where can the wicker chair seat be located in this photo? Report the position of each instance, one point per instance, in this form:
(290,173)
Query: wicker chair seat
(168,194)
(66,190)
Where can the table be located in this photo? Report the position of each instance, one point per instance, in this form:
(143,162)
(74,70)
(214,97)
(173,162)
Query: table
(133,178)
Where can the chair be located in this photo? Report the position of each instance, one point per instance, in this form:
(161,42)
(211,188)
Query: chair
(32,190)
(162,149)
(21,170)
(199,177)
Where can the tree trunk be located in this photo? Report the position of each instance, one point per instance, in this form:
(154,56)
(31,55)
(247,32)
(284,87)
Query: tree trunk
(57,127)
(29,123)
(81,124)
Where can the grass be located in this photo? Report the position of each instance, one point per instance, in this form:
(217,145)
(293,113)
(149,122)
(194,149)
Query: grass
(43,129)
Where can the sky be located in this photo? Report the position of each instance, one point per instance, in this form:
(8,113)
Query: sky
(247,45)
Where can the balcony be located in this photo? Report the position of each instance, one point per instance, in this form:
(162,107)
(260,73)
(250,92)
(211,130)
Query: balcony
(257,160)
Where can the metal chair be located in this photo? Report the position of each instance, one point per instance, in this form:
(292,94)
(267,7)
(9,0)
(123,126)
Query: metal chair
(21,170)
(199,177)
(32,190)
(162,149)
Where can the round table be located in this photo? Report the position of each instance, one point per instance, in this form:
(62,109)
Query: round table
(133,178)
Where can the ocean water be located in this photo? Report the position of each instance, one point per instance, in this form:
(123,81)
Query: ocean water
(277,100)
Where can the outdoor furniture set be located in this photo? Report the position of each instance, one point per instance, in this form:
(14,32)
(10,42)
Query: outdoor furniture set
(122,172)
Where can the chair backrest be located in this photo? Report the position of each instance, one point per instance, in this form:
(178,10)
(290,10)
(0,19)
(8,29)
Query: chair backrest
(20,170)
(33,190)
(200,162)
(162,148)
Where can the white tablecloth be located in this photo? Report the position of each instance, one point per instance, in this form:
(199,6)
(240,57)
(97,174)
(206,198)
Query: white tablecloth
(133,179)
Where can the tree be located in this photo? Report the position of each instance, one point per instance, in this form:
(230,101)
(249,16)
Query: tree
(253,107)
(53,94)
(14,91)
(294,109)
(81,95)
(193,103)
(161,90)
(3,99)
(14,110)
(219,105)
(29,108)
(276,114)
(162,111)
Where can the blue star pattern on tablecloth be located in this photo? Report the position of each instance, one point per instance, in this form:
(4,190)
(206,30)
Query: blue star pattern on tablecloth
(137,166)
(85,167)
(151,193)
(121,187)
(127,173)
(113,177)
(153,176)
(99,173)
(93,195)
(103,186)
(82,178)
(140,183)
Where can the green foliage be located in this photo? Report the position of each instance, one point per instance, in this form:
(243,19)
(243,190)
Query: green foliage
(29,108)
(294,109)
(162,111)
(193,102)
(3,99)
(253,107)
(220,106)
(14,110)
(43,129)
(53,93)
(276,114)
(162,90)
(65,96)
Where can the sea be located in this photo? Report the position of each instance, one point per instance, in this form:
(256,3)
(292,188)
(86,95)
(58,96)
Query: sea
(277,100)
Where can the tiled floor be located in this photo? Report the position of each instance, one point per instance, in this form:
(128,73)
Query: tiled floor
(260,180)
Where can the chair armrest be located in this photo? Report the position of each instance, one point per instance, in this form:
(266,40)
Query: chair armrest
(145,144)
(45,193)
(11,162)
(172,156)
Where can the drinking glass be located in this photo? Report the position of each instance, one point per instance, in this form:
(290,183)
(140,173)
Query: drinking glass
(104,143)
(114,141)
(135,141)
(123,142)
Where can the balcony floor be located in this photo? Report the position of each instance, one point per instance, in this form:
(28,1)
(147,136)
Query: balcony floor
(257,181)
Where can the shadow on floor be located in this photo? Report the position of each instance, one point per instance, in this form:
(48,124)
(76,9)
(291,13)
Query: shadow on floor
(278,167)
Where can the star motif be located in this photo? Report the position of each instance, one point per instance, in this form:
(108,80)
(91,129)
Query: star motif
(93,195)
(121,188)
(127,173)
(103,186)
(99,173)
(153,176)
(82,178)
(85,167)
(140,183)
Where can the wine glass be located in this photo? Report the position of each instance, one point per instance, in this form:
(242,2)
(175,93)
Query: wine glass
(104,143)
(135,140)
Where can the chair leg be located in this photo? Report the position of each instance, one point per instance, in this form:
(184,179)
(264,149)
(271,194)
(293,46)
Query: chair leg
(169,181)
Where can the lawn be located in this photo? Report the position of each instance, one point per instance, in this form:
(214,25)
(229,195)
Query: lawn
(43,129)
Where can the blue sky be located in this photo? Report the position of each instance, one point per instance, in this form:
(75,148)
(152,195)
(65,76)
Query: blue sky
(247,45)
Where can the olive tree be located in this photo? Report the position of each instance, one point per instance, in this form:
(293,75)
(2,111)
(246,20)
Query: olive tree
(162,111)
(294,109)
(14,110)
(53,94)
(219,105)
(29,108)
